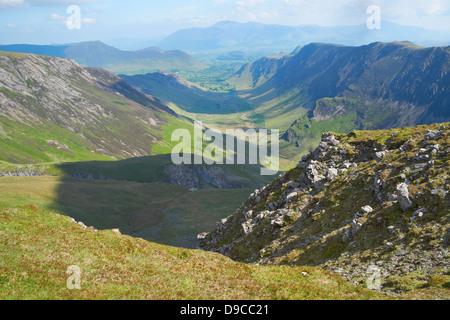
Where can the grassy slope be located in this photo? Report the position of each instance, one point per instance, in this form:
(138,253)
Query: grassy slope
(162,213)
(214,78)
(27,144)
(245,120)
(213,107)
(21,143)
(38,247)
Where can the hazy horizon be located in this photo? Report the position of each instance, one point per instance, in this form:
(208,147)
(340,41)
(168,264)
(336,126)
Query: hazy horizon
(133,44)
(112,21)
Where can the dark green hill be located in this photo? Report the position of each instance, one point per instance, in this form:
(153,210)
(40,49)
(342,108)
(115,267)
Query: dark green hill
(186,95)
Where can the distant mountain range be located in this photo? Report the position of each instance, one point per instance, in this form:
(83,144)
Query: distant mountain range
(324,87)
(270,39)
(98,54)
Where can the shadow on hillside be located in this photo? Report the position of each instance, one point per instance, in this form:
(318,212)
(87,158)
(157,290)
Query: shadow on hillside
(135,197)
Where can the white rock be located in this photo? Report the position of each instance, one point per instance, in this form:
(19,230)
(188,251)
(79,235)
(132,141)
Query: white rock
(418,214)
(291,195)
(378,156)
(403,197)
(332,173)
(367,209)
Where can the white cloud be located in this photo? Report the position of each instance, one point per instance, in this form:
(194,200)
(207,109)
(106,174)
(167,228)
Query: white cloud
(251,16)
(55,16)
(249,10)
(249,3)
(18,4)
(413,8)
(426,14)
(62,3)
(88,20)
(341,12)
(9,4)
(269,15)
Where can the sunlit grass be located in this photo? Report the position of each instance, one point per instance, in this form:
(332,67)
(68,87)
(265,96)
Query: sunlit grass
(38,247)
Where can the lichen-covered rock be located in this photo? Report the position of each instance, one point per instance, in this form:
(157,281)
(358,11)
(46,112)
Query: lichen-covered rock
(378,156)
(432,135)
(332,173)
(403,197)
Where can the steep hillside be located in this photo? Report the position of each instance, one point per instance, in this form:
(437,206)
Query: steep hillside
(38,248)
(98,54)
(254,74)
(341,88)
(54,110)
(186,95)
(369,198)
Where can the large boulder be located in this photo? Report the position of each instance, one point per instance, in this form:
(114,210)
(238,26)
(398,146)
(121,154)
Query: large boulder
(403,197)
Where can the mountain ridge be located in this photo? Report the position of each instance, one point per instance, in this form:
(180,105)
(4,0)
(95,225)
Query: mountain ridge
(99,54)
(375,86)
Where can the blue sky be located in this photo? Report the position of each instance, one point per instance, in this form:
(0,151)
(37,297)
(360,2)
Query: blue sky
(43,21)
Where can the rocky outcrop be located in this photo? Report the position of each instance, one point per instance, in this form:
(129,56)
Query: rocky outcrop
(25,171)
(347,205)
(182,176)
(199,176)
(403,197)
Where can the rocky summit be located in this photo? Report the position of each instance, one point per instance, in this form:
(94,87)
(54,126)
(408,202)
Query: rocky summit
(363,201)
